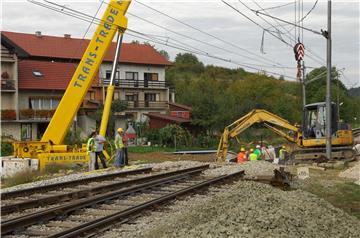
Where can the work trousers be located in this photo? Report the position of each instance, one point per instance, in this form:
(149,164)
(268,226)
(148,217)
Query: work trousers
(99,154)
(126,156)
(92,161)
(119,162)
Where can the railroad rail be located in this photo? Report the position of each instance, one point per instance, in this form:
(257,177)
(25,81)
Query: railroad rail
(90,215)
(81,193)
(46,188)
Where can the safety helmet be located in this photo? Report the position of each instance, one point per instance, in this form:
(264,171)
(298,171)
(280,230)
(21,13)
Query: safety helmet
(283,146)
(120,130)
(251,150)
(258,146)
(242,149)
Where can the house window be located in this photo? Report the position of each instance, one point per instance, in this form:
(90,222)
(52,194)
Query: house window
(151,76)
(108,74)
(150,97)
(44,103)
(131,75)
(26,132)
(131,97)
(91,95)
(116,95)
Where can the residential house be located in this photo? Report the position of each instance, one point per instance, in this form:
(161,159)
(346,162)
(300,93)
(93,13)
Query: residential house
(36,69)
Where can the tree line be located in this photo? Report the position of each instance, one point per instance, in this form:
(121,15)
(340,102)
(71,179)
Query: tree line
(219,95)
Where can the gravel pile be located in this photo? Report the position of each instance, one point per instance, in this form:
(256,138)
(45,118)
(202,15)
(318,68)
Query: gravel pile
(246,209)
(252,169)
(352,173)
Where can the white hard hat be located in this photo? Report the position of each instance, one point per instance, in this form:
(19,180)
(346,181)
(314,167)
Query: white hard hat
(258,146)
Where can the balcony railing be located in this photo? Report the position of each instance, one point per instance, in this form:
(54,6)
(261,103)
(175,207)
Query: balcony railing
(31,114)
(8,115)
(125,83)
(147,104)
(7,84)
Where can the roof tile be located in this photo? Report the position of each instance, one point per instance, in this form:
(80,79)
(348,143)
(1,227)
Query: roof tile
(73,48)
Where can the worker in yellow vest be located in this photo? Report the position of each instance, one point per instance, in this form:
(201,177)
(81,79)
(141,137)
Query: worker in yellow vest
(252,156)
(90,149)
(119,145)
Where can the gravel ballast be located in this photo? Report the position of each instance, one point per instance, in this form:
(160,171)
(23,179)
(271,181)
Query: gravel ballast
(248,209)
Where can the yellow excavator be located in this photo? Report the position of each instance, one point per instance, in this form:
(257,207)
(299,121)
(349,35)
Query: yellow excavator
(50,149)
(309,137)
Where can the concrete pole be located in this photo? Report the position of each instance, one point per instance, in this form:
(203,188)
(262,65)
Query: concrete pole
(303,84)
(328,86)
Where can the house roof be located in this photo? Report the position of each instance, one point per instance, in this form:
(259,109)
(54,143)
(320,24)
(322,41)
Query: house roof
(167,118)
(55,75)
(73,48)
(179,107)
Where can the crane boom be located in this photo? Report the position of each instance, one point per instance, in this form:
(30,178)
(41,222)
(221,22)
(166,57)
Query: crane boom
(113,20)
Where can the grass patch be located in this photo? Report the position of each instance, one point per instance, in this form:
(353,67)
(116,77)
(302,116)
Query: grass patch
(29,176)
(149,149)
(341,193)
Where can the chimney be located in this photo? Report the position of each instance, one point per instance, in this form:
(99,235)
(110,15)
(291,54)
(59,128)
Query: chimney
(67,36)
(38,33)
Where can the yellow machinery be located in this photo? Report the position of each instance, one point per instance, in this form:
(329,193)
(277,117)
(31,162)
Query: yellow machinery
(310,137)
(50,149)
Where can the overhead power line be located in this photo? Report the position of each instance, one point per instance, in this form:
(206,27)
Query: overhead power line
(85,17)
(204,32)
(259,25)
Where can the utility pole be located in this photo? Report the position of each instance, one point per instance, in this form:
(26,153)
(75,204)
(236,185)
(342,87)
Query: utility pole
(328,86)
(303,84)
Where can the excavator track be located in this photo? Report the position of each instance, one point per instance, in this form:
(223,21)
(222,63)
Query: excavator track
(319,154)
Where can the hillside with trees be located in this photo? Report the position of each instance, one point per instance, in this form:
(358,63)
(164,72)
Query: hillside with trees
(220,95)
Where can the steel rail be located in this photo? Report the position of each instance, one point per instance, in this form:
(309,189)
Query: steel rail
(15,207)
(45,188)
(94,226)
(14,224)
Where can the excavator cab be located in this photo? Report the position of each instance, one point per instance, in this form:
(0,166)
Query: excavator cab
(314,121)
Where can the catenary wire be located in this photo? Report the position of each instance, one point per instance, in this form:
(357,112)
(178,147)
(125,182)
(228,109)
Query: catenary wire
(207,55)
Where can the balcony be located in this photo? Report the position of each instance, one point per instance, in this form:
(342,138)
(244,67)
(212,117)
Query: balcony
(31,114)
(123,83)
(147,104)
(8,115)
(7,85)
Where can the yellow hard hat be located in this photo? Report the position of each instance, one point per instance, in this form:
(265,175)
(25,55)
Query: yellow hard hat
(251,150)
(120,129)
(242,149)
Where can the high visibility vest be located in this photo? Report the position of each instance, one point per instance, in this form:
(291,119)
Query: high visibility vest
(119,142)
(90,145)
(241,157)
(253,157)
(258,153)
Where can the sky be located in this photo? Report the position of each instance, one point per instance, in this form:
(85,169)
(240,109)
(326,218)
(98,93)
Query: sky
(216,30)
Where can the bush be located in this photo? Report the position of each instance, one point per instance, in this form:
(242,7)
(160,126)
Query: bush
(73,138)
(6,149)
(174,135)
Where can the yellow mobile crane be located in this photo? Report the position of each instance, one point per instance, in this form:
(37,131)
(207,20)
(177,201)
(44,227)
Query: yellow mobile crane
(310,137)
(50,148)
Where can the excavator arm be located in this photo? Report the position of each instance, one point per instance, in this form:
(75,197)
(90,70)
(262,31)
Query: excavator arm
(270,120)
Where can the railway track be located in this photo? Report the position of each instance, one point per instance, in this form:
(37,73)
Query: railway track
(90,215)
(18,204)
(72,183)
